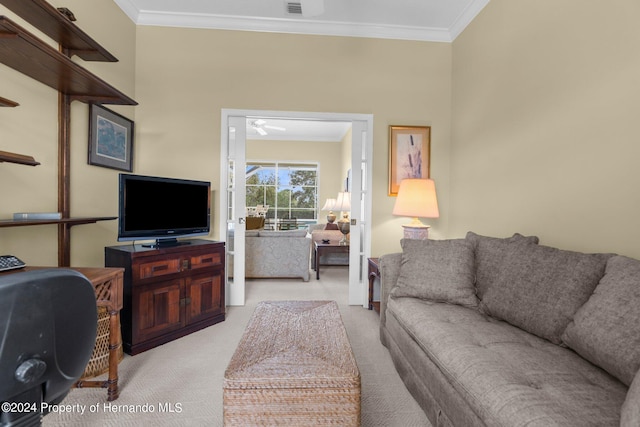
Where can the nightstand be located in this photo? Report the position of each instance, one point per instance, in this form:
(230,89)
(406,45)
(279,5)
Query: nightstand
(374,273)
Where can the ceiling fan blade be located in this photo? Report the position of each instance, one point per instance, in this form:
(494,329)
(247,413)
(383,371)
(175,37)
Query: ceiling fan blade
(260,131)
(275,127)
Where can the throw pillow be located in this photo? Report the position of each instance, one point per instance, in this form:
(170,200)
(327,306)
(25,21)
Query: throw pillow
(254,222)
(437,270)
(540,288)
(605,330)
(490,254)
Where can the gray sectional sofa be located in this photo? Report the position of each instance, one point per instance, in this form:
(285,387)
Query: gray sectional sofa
(507,332)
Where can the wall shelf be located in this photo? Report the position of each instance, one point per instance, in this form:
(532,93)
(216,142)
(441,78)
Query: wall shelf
(29,55)
(4,102)
(32,57)
(53,23)
(65,221)
(20,159)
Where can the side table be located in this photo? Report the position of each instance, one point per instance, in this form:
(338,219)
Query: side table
(374,273)
(108,286)
(321,248)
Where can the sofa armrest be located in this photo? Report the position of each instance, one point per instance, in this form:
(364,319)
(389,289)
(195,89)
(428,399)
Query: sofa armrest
(630,414)
(389,271)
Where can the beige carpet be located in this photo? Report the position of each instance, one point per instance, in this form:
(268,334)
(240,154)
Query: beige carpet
(180,383)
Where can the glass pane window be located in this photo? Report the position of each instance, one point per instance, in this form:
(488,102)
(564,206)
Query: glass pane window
(289,189)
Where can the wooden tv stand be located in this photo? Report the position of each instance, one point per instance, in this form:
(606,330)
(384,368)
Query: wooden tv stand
(170,291)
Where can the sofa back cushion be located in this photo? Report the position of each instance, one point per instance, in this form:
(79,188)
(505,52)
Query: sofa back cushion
(490,253)
(606,329)
(284,233)
(437,270)
(540,288)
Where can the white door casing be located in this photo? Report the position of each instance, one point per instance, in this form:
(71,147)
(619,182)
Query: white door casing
(232,195)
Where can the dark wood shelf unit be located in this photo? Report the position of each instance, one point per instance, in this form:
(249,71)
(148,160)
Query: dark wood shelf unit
(54,24)
(65,221)
(4,102)
(20,159)
(29,55)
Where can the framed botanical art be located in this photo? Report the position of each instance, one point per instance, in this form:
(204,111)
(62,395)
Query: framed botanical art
(110,139)
(409,154)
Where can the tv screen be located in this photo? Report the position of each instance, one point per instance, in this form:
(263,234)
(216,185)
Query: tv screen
(162,208)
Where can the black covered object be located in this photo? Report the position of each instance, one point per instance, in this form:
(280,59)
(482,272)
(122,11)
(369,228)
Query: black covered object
(48,323)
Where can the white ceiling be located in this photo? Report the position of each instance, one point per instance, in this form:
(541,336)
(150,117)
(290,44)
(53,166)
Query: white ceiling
(424,20)
(299,130)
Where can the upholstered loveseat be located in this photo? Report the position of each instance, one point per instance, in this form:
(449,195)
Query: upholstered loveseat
(276,254)
(506,332)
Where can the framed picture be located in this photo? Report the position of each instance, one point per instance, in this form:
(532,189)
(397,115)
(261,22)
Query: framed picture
(409,154)
(110,139)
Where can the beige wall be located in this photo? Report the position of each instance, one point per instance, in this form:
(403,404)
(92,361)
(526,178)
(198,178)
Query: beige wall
(326,153)
(186,76)
(546,97)
(31,128)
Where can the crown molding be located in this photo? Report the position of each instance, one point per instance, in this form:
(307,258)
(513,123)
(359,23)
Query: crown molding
(129,9)
(465,18)
(291,26)
(297,26)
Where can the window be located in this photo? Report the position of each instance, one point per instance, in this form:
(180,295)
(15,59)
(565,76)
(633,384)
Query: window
(290,189)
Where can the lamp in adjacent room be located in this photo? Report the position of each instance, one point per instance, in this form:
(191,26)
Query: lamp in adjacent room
(416,199)
(343,204)
(330,205)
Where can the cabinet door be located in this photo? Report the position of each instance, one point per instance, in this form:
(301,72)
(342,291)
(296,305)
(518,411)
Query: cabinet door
(205,296)
(156,309)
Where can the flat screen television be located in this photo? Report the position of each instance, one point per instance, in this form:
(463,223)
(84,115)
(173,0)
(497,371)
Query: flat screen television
(162,209)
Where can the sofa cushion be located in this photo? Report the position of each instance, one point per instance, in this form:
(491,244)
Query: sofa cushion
(508,376)
(438,270)
(490,254)
(541,288)
(606,330)
(630,415)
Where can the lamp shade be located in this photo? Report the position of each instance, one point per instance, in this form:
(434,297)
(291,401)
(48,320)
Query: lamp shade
(343,202)
(329,205)
(417,198)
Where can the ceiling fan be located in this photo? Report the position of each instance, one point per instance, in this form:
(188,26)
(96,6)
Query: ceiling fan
(260,125)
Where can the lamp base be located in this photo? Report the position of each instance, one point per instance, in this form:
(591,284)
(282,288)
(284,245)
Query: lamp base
(416,230)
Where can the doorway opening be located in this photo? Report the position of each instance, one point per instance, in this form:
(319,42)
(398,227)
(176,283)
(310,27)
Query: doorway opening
(237,126)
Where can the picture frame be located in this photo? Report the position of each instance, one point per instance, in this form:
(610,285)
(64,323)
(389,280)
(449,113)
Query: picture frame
(409,154)
(110,139)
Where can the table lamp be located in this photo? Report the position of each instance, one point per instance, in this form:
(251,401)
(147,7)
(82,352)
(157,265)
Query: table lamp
(343,203)
(416,198)
(330,205)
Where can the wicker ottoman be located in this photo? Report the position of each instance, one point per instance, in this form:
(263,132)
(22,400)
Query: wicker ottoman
(294,366)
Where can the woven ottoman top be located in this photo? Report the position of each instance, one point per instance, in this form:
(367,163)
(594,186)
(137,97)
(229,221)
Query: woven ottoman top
(293,344)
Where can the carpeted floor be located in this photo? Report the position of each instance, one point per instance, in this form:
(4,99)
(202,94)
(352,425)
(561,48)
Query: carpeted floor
(180,383)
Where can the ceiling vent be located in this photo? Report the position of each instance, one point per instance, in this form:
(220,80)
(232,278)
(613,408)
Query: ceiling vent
(294,8)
